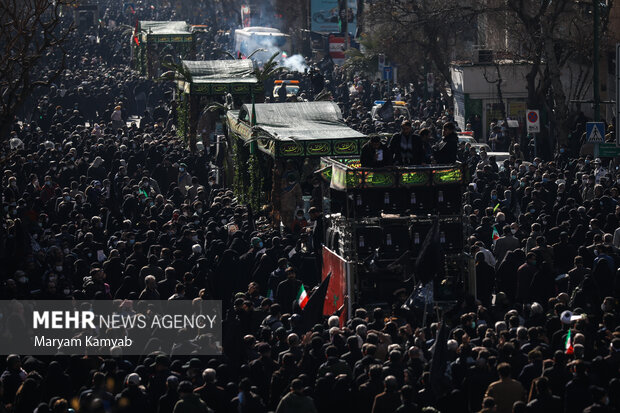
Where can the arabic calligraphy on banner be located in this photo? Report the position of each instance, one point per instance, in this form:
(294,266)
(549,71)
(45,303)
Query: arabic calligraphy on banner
(378,179)
(447,176)
(414,178)
(318,148)
(346,147)
(291,149)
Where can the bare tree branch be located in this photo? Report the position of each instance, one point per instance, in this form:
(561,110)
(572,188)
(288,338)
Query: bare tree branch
(32,34)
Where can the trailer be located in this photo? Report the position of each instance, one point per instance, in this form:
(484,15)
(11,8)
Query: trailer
(376,222)
(208,82)
(153,41)
(272,140)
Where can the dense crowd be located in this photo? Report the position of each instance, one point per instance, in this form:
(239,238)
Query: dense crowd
(97,207)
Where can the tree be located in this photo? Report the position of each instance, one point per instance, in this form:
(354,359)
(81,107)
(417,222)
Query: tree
(553,35)
(271,68)
(32,34)
(422,32)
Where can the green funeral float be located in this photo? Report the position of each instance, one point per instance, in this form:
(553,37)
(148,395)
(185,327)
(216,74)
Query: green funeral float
(154,40)
(202,84)
(276,140)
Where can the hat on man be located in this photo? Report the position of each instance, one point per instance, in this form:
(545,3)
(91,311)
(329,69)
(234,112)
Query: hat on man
(193,364)
(568,317)
(133,379)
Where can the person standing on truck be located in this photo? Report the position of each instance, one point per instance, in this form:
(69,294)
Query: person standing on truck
(425,157)
(446,150)
(406,146)
(375,154)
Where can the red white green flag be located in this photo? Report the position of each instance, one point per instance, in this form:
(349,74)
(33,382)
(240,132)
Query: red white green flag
(135,32)
(568,346)
(495,234)
(302,297)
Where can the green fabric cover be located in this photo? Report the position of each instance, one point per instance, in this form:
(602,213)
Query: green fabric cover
(221,71)
(163,28)
(303,121)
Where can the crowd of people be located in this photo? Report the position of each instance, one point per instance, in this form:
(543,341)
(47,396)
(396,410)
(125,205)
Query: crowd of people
(99,208)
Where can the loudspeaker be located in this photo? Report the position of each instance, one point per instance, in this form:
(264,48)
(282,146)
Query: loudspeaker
(451,236)
(367,240)
(448,200)
(416,201)
(396,240)
(418,231)
(390,200)
(366,203)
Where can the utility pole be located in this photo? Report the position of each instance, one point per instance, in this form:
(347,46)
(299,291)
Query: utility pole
(595,76)
(344,21)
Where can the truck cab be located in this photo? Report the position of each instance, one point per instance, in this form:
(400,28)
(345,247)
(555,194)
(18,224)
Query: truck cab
(399,107)
(292,87)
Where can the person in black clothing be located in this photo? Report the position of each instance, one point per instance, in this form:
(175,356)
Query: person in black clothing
(317,230)
(407,397)
(287,290)
(282,93)
(166,403)
(132,398)
(160,111)
(448,147)
(375,154)
(426,153)
(406,146)
(577,395)
(485,279)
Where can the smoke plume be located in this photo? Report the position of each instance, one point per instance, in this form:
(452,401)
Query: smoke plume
(295,63)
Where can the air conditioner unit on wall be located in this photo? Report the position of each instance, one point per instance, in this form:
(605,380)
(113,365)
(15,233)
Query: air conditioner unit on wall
(483,56)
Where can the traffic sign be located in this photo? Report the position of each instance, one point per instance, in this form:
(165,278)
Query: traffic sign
(533,121)
(608,150)
(388,73)
(595,132)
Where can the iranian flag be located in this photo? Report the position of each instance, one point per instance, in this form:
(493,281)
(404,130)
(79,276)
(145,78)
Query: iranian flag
(302,297)
(568,346)
(495,234)
(135,34)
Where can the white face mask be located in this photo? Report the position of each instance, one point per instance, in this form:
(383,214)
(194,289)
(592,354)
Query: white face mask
(514,231)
